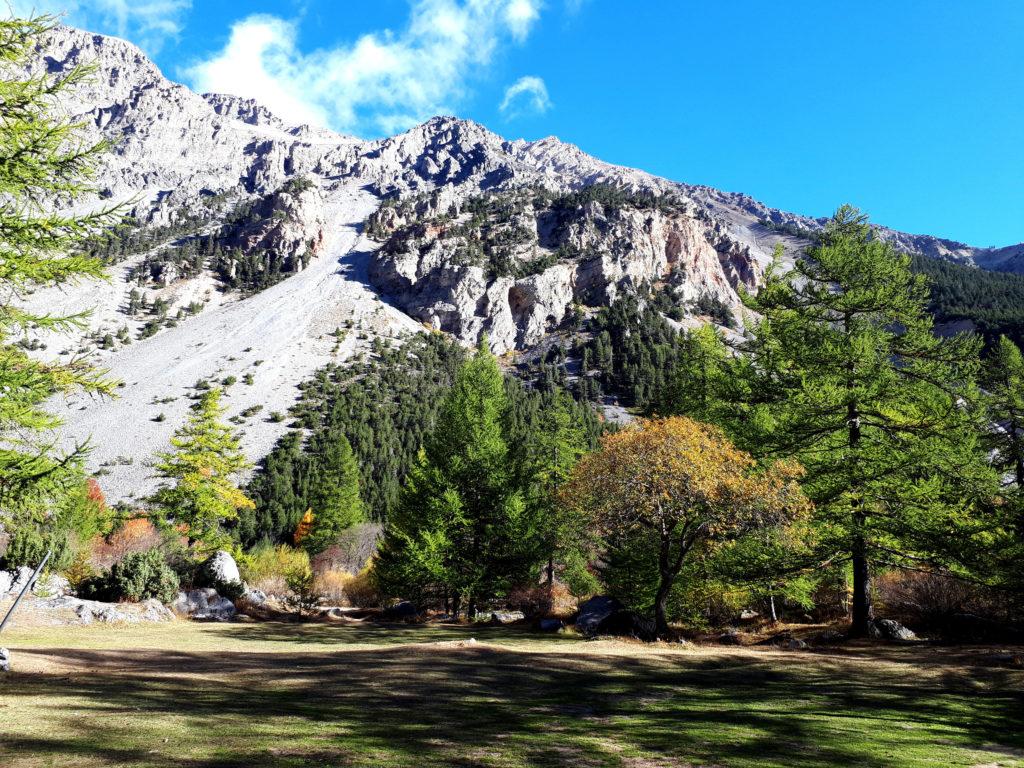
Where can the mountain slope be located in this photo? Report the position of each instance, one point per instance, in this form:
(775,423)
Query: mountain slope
(246,258)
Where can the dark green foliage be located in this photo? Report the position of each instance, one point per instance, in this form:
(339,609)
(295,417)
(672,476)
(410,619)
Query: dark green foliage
(463,529)
(844,374)
(27,547)
(994,301)
(139,576)
(334,492)
(383,406)
(633,347)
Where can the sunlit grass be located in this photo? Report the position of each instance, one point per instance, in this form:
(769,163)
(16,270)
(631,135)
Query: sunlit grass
(307,695)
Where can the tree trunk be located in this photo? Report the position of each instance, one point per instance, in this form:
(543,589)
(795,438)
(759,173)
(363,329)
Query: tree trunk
(667,572)
(863,611)
(661,608)
(471,608)
(456,606)
(551,574)
(771,605)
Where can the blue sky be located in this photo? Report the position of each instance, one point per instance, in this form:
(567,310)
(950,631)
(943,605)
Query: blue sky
(911,109)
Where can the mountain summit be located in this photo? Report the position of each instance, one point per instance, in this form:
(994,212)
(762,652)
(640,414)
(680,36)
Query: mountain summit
(258,250)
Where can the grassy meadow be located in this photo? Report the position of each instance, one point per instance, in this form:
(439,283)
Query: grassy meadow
(276,695)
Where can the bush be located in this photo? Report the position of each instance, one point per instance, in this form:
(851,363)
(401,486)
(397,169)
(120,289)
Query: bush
(28,544)
(25,547)
(267,567)
(304,596)
(139,576)
(951,607)
(538,602)
(344,588)
(352,550)
(331,584)
(137,535)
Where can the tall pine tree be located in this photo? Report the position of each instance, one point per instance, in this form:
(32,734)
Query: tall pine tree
(334,493)
(845,374)
(42,160)
(461,532)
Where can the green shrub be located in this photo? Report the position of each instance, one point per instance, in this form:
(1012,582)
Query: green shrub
(28,545)
(139,576)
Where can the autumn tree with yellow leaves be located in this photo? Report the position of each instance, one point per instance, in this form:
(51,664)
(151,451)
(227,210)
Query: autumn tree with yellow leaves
(688,484)
(203,467)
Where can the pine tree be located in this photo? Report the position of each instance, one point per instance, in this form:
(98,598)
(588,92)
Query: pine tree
(1004,382)
(461,529)
(844,374)
(555,444)
(42,159)
(206,457)
(333,494)
(1000,553)
(696,386)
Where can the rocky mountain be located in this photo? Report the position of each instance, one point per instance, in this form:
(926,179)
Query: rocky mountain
(259,250)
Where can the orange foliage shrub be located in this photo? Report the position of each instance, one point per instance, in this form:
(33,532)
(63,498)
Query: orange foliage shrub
(137,535)
(538,601)
(94,494)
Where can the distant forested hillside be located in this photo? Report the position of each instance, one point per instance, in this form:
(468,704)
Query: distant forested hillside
(994,301)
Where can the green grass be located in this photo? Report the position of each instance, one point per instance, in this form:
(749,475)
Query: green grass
(275,695)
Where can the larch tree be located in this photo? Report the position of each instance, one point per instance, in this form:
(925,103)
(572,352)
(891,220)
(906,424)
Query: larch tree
(555,445)
(1003,380)
(45,165)
(844,374)
(333,494)
(461,530)
(203,467)
(685,483)
(1001,549)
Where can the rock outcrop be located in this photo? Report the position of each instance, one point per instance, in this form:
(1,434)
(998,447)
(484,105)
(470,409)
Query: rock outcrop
(513,265)
(185,164)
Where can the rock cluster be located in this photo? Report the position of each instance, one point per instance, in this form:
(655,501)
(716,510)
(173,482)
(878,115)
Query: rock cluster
(203,605)
(432,266)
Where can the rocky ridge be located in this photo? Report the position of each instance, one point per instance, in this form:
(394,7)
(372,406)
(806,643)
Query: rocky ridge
(185,163)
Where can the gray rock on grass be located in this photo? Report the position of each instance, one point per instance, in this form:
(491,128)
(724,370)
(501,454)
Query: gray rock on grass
(594,611)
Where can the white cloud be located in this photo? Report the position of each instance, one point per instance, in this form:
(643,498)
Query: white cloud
(382,82)
(148,23)
(527,94)
(520,16)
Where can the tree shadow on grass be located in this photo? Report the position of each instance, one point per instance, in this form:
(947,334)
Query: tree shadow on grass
(380,633)
(450,705)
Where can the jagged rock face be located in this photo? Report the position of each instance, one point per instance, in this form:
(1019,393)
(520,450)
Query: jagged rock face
(538,257)
(176,152)
(288,227)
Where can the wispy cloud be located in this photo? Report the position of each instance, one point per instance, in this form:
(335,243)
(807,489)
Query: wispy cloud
(527,94)
(148,23)
(382,82)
